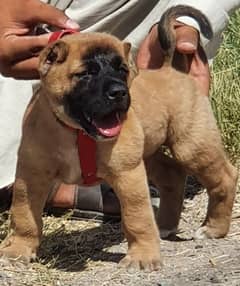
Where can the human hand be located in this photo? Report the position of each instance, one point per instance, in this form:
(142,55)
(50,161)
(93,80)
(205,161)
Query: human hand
(189,55)
(19,48)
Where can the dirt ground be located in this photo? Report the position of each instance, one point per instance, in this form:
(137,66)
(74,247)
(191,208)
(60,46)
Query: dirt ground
(86,253)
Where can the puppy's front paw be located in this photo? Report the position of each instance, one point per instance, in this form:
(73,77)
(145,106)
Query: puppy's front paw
(210,232)
(142,259)
(16,251)
(24,255)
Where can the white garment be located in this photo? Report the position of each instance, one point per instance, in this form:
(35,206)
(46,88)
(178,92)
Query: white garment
(127,19)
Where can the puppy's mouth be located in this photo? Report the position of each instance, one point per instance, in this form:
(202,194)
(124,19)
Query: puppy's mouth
(109,125)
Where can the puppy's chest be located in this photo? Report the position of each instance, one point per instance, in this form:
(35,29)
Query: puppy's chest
(68,156)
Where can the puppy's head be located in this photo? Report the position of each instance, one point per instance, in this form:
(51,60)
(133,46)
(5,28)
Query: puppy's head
(86,78)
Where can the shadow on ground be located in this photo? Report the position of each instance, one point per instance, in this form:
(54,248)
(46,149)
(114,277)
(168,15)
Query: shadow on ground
(71,251)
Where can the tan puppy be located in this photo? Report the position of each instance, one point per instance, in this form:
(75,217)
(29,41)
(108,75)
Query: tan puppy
(85,79)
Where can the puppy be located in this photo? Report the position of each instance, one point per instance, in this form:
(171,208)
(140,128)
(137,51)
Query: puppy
(89,82)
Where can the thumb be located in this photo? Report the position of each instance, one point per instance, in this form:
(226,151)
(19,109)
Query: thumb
(187,39)
(47,14)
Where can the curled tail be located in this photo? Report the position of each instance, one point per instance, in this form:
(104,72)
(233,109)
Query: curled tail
(166,31)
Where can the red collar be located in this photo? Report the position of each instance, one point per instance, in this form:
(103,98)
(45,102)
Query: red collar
(86,145)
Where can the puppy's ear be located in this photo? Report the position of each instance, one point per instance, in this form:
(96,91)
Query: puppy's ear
(127,49)
(131,63)
(53,54)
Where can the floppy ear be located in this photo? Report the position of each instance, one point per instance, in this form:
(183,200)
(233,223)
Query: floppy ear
(127,49)
(53,54)
(131,63)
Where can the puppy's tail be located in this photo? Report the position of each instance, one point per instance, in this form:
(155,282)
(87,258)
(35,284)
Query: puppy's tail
(166,31)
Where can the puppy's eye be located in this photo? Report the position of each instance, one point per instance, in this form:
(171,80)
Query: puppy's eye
(118,65)
(93,68)
(123,69)
(81,75)
(116,62)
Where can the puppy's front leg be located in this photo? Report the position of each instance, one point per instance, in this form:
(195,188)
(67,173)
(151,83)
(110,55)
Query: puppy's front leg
(29,197)
(137,219)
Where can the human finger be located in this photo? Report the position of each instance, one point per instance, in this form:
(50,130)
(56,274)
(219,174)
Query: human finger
(199,69)
(19,48)
(26,69)
(45,13)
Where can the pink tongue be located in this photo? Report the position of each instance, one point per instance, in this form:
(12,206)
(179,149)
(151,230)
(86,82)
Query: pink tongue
(109,127)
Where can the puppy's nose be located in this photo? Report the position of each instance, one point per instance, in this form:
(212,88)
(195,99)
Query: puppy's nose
(117,92)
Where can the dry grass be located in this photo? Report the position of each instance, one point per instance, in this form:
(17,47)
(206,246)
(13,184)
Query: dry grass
(226,87)
(84,253)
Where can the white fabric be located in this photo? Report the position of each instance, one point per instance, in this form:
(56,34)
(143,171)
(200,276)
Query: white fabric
(127,19)
(14,97)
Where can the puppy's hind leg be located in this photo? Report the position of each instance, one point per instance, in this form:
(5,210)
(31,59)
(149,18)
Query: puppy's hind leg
(202,155)
(220,179)
(169,177)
